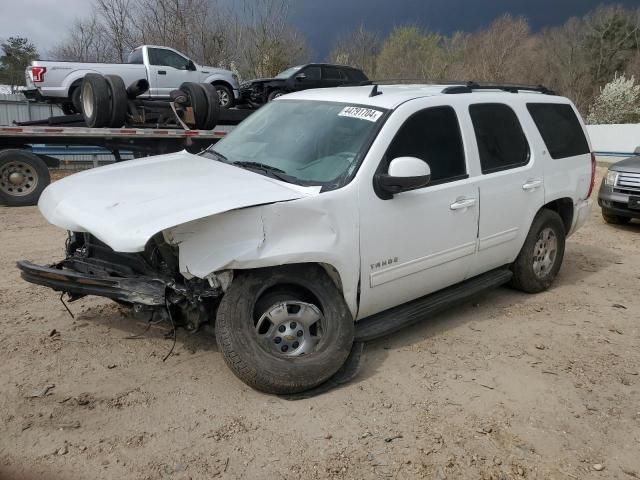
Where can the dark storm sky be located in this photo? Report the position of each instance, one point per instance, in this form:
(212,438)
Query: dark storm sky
(323,20)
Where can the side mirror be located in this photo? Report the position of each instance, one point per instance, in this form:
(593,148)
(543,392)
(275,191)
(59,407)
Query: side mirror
(191,66)
(301,76)
(405,174)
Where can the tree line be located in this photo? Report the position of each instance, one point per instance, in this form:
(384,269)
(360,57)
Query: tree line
(256,38)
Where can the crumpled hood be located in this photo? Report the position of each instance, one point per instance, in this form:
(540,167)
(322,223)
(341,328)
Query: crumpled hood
(125,204)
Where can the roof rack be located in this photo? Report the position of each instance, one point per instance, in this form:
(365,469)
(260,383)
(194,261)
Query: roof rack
(469,87)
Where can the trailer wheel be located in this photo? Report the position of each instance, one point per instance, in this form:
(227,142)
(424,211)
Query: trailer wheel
(23,176)
(198,102)
(119,100)
(96,101)
(76,99)
(213,106)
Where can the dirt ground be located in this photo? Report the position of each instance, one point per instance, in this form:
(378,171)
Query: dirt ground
(511,386)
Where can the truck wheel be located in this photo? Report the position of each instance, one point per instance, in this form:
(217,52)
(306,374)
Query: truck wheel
(275,94)
(96,101)
(284,330)
(614,219)
(213,106)
(76,99)
(119,100)
(225,96)
(541,256)
(198,102)
(23,176)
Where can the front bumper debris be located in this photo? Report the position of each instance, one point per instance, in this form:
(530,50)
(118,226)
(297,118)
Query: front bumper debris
(135,290)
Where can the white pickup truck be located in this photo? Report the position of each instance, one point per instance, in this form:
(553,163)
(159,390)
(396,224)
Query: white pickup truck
(164,68)
(331,216)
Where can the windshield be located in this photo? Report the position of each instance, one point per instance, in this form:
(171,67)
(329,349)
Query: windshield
(301,141)
(288,72)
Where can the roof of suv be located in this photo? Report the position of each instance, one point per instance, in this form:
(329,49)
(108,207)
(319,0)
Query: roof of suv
(391,96)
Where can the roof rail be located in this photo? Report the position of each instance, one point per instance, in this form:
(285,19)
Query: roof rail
(469,87)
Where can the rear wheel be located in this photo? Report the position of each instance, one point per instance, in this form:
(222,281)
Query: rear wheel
(614,219)
(23,176)
(96,101)
(541,256)
(284,330)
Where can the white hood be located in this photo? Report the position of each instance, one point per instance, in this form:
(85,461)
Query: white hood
(125,204)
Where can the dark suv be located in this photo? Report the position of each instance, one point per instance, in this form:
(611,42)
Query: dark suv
(619,194)
(302,77)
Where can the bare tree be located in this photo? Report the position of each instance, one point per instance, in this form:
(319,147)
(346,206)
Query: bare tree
(409,53)
(85,42)
(116,17)
(359,48)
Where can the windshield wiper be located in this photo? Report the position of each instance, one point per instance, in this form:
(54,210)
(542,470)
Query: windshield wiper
(260,166)
(217,154)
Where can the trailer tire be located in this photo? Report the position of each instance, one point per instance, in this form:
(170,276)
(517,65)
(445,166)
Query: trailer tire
(198,102)
(119,100)
(213,106)
(23,177)
(96,101)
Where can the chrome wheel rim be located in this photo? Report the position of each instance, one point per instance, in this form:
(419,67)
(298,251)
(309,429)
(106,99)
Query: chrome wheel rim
(545,252)
(18,179)
(290,329)
(87,99)
(223,97)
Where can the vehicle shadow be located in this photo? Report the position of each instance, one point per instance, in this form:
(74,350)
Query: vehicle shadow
(580,262)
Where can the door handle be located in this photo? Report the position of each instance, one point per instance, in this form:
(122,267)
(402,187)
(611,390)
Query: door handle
(162,72)
(463,203)
(530,185)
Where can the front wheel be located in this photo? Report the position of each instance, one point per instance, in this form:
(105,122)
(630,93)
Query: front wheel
(225,96)
(541,256)
(275,94)
(284,330)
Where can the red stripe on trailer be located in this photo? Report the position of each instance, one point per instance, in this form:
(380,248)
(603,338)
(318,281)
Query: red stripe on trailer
(191,133)
(125,131)
(54,130)
(12,129)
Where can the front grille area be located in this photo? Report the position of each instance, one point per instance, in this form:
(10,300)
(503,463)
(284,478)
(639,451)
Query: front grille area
(628,183)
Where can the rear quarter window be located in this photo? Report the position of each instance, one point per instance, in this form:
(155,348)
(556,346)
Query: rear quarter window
(560,129)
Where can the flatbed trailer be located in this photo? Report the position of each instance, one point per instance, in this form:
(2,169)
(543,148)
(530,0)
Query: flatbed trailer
(24,174)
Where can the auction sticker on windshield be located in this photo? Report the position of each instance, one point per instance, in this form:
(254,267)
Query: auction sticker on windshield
(362,113)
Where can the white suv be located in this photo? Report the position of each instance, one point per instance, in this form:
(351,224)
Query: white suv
(330,216)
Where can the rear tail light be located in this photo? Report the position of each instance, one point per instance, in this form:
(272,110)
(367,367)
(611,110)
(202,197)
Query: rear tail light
(37,74)
(593,174)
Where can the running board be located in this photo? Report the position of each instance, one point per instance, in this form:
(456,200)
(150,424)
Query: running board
(394,319)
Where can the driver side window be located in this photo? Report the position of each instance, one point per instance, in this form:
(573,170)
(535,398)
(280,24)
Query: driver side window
(312,73)
(432,135)
(167,58)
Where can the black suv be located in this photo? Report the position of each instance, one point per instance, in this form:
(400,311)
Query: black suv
(302,77)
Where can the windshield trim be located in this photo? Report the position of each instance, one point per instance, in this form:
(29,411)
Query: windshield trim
(339,181)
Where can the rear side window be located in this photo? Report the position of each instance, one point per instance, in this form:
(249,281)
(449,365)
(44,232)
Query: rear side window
(560,129)
(432,135)
(500,138)
(356,75)
(312,73)
(333,73)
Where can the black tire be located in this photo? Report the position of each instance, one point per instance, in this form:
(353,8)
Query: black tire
(119,100)
(225,96)
(275,94)
(614,219)
(76,99)
(198,102)
(96,101)
(33,177)
(246,300)
(213,106)
(525,276)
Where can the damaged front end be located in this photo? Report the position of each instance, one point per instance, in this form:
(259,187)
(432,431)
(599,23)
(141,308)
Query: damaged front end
(148,281)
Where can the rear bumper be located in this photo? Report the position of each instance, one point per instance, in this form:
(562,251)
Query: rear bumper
(138,290)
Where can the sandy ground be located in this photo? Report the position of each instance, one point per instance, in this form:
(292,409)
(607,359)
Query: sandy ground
(513,386)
